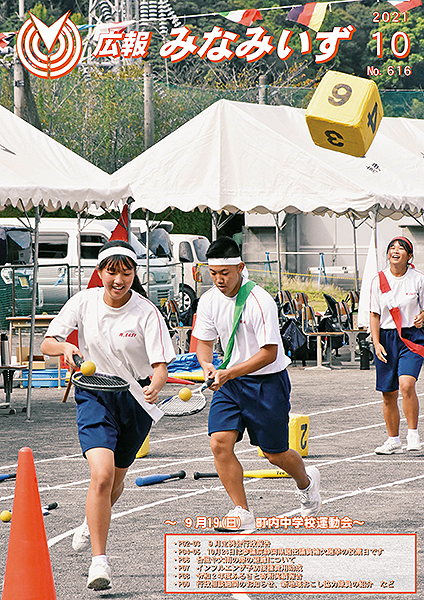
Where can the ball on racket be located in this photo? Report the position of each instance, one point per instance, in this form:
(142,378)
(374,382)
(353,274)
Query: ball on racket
(88,368)
(184,394)
(5,516)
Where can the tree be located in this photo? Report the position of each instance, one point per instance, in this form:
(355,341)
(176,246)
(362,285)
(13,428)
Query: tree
(395,72)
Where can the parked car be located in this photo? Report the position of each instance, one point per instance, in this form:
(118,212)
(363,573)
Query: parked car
(58,275)
(192,272)
(15,280)
(162,268)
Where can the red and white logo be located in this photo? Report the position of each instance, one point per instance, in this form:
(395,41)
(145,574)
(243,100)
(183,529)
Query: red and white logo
(53,64)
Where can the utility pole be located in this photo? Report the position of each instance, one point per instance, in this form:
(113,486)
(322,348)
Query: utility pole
(149,116)
(263,91)
(18,75)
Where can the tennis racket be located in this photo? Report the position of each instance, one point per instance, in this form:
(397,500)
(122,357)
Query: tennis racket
(101,382)
(175,407)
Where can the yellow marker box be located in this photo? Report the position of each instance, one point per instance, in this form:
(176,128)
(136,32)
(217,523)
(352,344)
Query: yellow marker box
(145,447)
(298,434)
(344,113)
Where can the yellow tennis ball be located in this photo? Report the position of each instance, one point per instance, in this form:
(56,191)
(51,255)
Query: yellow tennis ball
(184,394)
(88,367)
(5,516)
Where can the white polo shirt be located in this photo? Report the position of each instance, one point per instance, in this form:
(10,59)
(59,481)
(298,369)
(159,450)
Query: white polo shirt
(123,341)
(408,293)
(258,326)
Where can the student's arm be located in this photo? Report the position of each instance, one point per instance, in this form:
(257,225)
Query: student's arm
(266,355)
(375,334)
(159,378)
(204,351)
(52,347)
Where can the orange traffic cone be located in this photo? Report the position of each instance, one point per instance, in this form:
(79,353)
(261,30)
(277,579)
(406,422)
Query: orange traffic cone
(28,573)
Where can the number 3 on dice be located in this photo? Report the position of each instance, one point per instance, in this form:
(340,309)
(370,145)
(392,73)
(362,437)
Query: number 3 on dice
(344,113)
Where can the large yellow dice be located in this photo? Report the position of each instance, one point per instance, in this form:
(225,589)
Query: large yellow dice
(344,113)
(298,434)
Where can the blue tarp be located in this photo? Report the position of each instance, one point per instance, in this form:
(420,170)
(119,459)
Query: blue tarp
(189,362)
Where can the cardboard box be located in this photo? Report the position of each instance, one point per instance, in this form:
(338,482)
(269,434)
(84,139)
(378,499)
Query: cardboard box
(37,360)
(52,362)
(36,364)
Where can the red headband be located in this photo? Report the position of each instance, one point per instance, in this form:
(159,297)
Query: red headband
(404,239)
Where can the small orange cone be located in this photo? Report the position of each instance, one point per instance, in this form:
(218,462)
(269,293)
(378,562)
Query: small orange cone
(29,574)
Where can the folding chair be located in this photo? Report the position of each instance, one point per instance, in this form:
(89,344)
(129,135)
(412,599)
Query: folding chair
(310,329)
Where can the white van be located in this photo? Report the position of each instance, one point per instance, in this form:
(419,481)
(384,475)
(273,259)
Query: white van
(192,272)
(58,251)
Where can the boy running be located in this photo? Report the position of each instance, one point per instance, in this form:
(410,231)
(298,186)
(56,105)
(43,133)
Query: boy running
(252,392)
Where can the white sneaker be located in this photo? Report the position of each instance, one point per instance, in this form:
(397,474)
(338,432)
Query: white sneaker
(238,519)
(389,447)
(413,441)
(310,499)
(99,577)
(81,538)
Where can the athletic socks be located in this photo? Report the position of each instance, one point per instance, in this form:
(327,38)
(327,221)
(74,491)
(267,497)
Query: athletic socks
(100,559)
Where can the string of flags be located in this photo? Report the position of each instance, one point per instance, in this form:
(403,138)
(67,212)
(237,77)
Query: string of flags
(5,39)
(310,15)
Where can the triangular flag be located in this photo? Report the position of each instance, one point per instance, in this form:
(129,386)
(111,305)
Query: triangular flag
(110,28)
(244,17)
(6,38)
(404,5)
(311,14)
(119,233)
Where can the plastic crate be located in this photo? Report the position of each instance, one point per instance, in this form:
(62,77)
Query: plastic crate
(44,378)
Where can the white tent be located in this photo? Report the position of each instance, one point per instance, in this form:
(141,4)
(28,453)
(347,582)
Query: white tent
(35,171)
(250,157)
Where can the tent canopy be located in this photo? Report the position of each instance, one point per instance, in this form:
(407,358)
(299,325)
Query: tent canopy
(261,158)
(37,170)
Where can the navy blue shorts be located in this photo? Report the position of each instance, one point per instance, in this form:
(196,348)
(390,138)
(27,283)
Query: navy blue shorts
(258,403)
(400,360)
(113,420)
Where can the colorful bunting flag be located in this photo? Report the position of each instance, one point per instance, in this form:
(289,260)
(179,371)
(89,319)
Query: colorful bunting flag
(311,14)
(404,5)
(6,38)
(110,27)
(244,17)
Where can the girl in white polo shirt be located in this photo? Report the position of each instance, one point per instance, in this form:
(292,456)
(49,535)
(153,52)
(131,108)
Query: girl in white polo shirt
(123,333)
(396,318)
(252,392)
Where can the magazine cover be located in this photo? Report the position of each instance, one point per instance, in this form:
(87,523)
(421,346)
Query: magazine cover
(211,299)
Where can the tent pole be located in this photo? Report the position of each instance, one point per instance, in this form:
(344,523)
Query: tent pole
(79,248)
(214,225)
(33,309)
(277,243)
(355,250)
(375,236)
(147,252)
(129,202)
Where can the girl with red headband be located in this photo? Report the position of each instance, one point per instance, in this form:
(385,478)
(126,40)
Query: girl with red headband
(396,318)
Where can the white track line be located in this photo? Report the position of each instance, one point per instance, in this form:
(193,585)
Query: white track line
(161,441)
(66,534)
(330,410)
(205,459)
(79,455)
(360,491)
